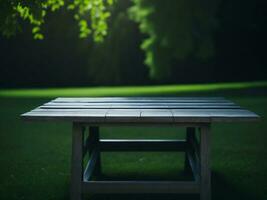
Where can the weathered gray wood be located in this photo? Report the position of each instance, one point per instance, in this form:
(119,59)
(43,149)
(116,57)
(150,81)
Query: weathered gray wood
(142,145)
(212,112)
(88,112)
(213,115)
(179,112)
(141,110)
(140,99)
(90,167)
(174,112)
(156,115)
(125,104)
(61,115)
(76,162)
(137,105)
(205,179)
(140,187)
(143,106)
(123,115)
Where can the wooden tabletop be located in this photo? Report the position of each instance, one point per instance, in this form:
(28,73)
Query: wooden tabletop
(141,110)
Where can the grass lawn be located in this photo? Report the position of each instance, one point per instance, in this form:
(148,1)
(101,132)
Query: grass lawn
(35,157)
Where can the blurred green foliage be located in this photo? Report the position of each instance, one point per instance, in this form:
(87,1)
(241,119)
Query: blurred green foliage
(176,30)
(182,42)
(118,59)
(91,15)
(62,59)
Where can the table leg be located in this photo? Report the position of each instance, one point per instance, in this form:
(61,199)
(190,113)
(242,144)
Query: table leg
(189,132)
(77,161)
(94,130)
(205,182)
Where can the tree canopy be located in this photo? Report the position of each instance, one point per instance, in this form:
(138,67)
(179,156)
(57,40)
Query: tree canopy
(91,15)
(176,30)
(178,37)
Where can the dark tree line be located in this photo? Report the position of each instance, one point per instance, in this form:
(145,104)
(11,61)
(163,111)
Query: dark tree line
(62,59)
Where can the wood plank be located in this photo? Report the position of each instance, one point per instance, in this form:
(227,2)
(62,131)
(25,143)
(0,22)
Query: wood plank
(140,103)
(193,152)
(194,166)
(142,145)
(123,115)
(121,99)
(65,116)
(155,115)
(94,131)
(137,105)
(90,167)
(142,107)
(76,161)
(216,115)
(110,187)
(205,173)
(189,132)
(73,110)
(147,101)
(141,100)
(156,112)
(212,112)
(75,107)
(134,116)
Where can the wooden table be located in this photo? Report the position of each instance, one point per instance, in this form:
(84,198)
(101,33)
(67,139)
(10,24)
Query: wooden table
(193,113)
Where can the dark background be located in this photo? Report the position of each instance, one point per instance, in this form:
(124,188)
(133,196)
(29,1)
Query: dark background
(62,59)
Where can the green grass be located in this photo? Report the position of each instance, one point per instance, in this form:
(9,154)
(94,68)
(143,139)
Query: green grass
(35,157)
(131,90)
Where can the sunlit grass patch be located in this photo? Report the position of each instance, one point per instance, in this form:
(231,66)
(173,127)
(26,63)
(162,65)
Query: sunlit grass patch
(130,90)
